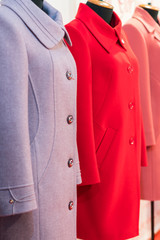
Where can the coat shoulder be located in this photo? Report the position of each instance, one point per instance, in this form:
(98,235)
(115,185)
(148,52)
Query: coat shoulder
(135,30)
(77,30)
(134,25)
(10,22)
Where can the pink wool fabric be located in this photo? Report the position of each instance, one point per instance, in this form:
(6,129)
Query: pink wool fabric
(143,33)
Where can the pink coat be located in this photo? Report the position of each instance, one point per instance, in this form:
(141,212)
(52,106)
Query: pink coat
(144,36)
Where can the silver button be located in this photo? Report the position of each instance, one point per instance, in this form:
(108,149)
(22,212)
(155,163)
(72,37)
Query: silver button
(70,206)
(70,119)
(69,75)
(70,163)
(11,201)
(123,41)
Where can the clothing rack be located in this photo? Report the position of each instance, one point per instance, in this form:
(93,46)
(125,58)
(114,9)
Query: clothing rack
(152,220)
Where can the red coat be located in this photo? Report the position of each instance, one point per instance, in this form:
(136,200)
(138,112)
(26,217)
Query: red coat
(110,136)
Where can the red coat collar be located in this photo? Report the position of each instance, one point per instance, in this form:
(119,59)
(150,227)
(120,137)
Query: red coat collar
(149,23)
(105,34)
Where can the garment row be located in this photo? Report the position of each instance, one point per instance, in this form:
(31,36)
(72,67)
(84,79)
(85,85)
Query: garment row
(82,85)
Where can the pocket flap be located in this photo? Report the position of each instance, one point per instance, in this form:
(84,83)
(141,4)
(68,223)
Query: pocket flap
(103,140)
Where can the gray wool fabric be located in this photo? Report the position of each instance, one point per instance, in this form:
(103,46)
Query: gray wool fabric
(36,140)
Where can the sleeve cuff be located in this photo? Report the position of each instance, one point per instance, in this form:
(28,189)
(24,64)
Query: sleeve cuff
(16,200)
(150,139)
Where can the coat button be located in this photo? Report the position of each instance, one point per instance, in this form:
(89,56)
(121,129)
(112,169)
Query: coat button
(70,119)
(70,163)
(131,141)
(11,201)
(70,206)
(131,105)
(69,75)
(130,69)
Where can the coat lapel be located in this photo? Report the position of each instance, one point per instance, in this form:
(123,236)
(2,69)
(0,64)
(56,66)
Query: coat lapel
(48,28)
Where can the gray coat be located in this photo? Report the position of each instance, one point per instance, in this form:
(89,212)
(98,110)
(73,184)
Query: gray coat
(39,166)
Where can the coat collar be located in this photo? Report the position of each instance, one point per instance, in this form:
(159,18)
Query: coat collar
(149,23)
(47,25)
(105,34)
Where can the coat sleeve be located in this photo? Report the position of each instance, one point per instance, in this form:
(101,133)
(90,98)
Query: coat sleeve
(16,181)
(85,132)
(138,45)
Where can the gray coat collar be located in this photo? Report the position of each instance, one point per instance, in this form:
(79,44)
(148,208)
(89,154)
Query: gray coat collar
(48,28)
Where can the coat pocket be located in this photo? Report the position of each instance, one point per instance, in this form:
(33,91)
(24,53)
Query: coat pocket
(103,141)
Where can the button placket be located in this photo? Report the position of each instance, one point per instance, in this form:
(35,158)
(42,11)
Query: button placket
(70,120)
(131,103)
(69,77)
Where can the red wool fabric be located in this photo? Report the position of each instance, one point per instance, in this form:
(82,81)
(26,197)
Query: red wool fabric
(110,133)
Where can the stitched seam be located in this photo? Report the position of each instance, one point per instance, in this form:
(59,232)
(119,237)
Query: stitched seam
(15,187)
(109,146)
(37,189)
(38,110)
(18,200)
(33,21)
